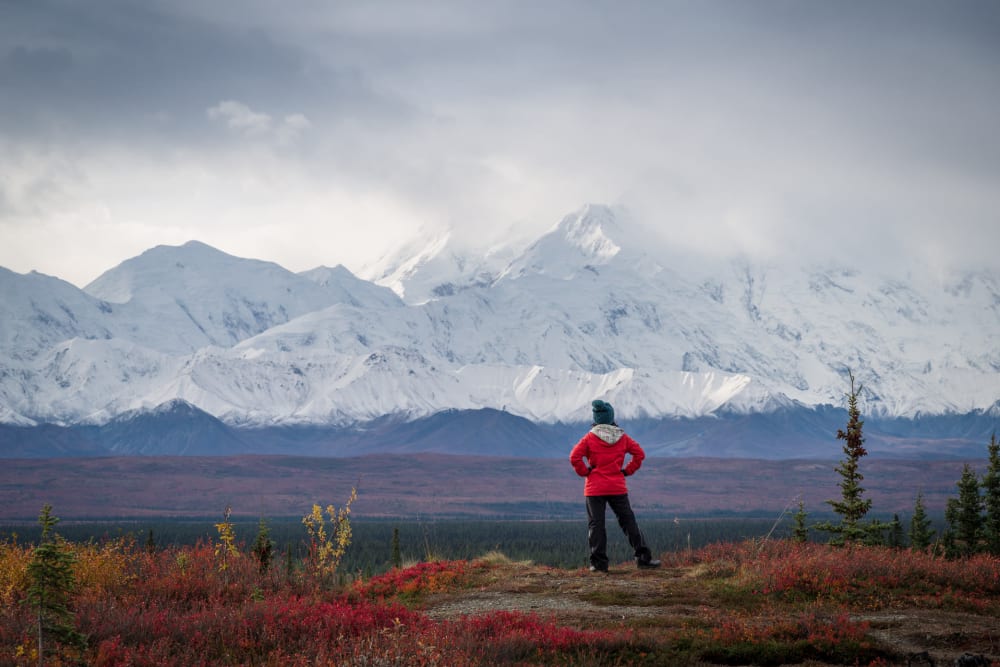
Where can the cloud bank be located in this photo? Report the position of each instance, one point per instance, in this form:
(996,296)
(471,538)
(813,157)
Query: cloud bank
(324,133)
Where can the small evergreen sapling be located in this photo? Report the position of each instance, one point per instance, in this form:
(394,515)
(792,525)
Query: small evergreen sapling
(397,557)
(263,547)
(800,533)
(921,534)
(50,590)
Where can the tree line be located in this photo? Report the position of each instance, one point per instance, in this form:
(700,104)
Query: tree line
(554,543)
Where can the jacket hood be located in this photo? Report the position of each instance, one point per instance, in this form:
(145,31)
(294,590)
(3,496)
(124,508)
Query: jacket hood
(609,433)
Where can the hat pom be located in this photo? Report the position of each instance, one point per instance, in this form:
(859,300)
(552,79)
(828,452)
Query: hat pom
(603,412)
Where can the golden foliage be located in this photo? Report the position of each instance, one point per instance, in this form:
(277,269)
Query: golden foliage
(326,551)
(14,560)
(103,567)
(226,547)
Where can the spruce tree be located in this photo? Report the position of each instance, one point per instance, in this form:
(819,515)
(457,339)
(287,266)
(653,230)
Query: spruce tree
(991,498)
(920,526)
(964,517)
(800,533)
(263,547)
(397,557)
(50,589)
(895,536)
(852,508)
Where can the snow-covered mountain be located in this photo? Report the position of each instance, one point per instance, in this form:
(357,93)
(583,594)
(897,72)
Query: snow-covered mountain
(595,307)
(423,269)
(180,300)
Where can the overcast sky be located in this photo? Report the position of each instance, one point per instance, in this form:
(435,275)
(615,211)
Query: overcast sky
(325,132)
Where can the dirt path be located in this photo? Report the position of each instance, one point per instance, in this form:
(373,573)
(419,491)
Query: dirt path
(676,597)
(942,635)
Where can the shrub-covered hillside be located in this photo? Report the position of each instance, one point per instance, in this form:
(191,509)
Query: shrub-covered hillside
(754,602)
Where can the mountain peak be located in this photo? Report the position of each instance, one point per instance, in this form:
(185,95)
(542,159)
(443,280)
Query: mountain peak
(203,296)
(592,230)
(398,266)
(161,267)
(432,267)
(191,250)
(326,275)
(584,240)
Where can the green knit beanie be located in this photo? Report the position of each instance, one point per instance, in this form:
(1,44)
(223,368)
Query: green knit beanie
(603,412)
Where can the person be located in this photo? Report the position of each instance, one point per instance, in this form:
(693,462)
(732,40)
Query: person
(600,458)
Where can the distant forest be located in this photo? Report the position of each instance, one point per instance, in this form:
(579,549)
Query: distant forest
(554,543)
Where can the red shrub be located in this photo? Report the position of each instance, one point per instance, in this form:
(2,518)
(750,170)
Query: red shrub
(873,576)
(421,578)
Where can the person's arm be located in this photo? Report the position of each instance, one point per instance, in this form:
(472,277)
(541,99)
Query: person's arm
(632,448)
(576,458)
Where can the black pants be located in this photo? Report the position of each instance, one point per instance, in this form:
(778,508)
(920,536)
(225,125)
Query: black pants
(598,536)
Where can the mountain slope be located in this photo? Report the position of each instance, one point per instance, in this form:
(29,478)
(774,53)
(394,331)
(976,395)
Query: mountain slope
(422,270)
(38,311)
(173,428)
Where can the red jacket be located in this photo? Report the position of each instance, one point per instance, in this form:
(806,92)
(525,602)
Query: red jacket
(604,447)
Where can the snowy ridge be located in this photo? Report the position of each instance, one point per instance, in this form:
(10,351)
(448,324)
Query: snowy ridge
(182,299)
(581,240)
(420,271)
(595,307)
(39,311)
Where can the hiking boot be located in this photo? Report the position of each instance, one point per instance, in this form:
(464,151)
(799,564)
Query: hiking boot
(648,564)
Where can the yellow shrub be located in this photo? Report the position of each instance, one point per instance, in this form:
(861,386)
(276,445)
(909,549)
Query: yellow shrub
(14,560)
(103,567)
(326,551)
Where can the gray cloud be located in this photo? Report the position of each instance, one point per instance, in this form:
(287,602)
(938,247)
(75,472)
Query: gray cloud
(764,128)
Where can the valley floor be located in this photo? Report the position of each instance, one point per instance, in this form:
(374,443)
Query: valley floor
(445,486)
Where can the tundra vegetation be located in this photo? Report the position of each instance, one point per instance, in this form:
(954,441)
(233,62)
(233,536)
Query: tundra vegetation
(860,598)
